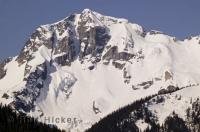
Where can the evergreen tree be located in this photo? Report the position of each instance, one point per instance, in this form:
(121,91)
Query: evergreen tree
(11,121)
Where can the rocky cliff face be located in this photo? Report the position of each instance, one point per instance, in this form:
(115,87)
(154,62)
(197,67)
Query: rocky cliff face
(25,98)
(68,40)
(93,35)
(88,65)
(2,67)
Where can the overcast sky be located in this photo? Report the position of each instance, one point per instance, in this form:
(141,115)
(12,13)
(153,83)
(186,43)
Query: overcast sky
(19,18)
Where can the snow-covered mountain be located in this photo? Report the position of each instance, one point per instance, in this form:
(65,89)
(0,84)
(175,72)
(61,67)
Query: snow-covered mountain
(88,65)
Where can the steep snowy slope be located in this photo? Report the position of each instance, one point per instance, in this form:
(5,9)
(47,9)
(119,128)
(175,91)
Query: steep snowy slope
(176,109)
(88,65)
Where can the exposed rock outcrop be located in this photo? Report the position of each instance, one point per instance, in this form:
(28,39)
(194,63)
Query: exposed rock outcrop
(2,67)
(93,37)
(168,76)
(38,38)
(24,99)
(113,53)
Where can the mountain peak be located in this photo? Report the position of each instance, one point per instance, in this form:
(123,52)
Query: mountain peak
(80,58)
(91,18)
(87,10)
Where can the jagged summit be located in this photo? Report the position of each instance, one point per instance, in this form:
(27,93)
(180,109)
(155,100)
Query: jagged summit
(87,10)
(89,65)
